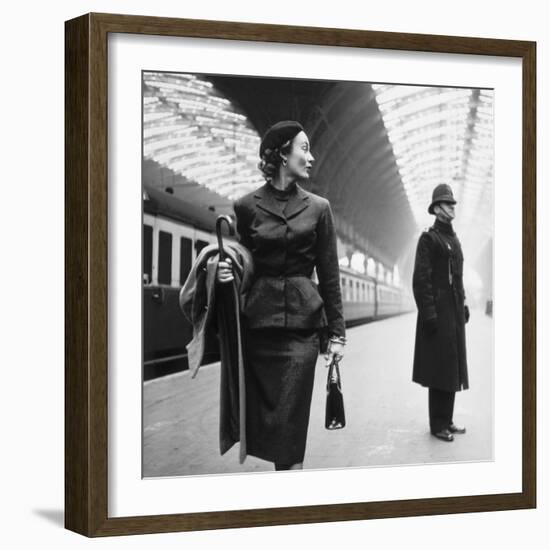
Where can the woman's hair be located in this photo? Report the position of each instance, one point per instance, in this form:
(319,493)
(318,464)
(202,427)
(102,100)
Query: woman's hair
(271,159)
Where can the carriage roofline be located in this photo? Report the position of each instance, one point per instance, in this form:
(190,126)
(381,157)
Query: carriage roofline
(348,271)
(160,203)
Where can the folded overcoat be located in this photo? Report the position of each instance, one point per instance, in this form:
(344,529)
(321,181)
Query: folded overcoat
(209,306)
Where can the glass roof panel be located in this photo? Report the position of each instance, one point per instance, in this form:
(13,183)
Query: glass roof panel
(189,127)
(442,135)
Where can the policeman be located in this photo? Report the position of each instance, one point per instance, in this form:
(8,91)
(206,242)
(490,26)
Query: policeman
(440,347)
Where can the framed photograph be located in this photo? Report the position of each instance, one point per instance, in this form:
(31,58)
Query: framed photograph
(247,204)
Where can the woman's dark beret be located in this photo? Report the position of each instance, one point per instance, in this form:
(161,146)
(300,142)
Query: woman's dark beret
(280,133)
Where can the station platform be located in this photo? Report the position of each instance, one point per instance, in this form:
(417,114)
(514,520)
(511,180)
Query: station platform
(386,413)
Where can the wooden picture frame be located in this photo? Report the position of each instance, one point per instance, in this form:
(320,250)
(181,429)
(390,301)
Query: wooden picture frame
(86,278)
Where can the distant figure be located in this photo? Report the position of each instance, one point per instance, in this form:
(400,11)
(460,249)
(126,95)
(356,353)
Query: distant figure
(288,318)
(440,347)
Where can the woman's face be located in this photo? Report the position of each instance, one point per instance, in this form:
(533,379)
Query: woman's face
(300,159)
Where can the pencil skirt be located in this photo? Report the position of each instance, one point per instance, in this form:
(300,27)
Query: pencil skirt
(279,373)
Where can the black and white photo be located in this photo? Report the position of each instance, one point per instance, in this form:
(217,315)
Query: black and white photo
(357,217)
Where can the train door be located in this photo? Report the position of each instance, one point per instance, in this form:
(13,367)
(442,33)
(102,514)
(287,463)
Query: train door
(147,258)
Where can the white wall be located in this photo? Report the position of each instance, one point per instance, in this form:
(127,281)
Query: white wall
(31,429)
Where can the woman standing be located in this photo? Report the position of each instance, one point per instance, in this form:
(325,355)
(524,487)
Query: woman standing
(289,231)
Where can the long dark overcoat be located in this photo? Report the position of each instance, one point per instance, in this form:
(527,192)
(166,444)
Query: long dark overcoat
(440,357)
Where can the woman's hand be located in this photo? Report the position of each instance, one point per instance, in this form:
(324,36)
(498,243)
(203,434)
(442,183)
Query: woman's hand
(336,350)
(225,271)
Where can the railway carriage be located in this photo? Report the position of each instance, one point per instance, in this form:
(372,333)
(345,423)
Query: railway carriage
(174,233)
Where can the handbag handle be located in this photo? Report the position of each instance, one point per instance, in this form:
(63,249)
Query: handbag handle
(334,372)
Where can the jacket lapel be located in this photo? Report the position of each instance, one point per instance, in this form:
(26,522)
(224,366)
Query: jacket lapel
(298,202)
(266,201)
(295,204)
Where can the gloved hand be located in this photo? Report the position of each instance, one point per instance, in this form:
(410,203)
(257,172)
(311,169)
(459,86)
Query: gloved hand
(225,271)
(466,313)
(430,326)
(334,349)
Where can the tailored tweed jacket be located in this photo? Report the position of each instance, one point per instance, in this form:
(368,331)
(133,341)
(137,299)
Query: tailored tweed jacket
(287,241)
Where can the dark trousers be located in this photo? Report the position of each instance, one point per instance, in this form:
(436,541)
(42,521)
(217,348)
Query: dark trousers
(441,404)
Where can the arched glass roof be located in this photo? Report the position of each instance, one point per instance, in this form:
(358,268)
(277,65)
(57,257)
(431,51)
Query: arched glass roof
(443,135)
(380,149)
(190,128)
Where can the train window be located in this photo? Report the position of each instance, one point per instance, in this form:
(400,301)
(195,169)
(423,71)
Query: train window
(165,258)
(147,253)
(199,245)
(186,258)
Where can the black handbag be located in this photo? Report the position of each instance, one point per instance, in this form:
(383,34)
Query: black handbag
(335,417)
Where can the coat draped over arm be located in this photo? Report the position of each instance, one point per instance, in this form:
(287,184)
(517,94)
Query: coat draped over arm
(209,305)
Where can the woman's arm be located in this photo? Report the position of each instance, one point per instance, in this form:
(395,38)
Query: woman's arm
(242,225)
(225,268)
(328,272)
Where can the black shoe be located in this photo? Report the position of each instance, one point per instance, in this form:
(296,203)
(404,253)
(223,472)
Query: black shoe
(444,435)
(454,429)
